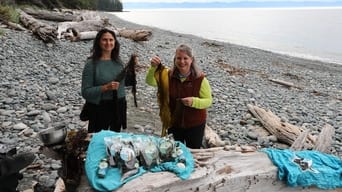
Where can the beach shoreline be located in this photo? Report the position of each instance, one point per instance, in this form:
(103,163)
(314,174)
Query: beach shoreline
(286,37)
(41,87)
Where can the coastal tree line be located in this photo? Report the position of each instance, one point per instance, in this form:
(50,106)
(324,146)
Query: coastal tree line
(9,13)
(102,5)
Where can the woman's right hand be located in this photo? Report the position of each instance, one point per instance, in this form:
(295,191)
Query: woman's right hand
(155,61)
(113,85)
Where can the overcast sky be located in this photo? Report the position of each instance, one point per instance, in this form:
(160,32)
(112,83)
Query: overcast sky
(125,1)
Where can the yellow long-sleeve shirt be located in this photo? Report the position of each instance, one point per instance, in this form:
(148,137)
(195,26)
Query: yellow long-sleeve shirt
(205,97)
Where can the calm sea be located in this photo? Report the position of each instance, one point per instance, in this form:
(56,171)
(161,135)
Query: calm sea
(314,33)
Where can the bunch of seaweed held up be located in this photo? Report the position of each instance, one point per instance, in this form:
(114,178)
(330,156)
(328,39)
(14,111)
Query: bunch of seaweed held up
(130,76)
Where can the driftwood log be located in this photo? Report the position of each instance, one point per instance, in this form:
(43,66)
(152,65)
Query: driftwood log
(211,138)
(135,34)
(12,25)
(232,171)
(285,83)
(73,34)
(227,168)
(298,138)
(51,15)
(299,143)
(73,26)
(325,139)
(285,132)
(82,26)
(230,168)
(42,30)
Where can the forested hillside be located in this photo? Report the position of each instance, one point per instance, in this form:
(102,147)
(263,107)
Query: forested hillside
(103,5)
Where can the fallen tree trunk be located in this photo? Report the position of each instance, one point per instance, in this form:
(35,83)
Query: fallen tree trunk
(285,132)
(82,26)
(73,34)
(50,15)
(225,171)
(135,35)
(85,28)
(38,28)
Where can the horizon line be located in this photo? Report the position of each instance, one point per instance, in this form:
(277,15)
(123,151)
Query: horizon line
(244,4)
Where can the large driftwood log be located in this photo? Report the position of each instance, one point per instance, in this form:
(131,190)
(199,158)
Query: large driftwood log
(42,30)
(73,34)
(225,171)
(135,34)
(50,15)
(62,15)
(228,168)
(82,26)
(285,132)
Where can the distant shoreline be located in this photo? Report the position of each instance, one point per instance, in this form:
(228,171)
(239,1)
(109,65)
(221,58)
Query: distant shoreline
(291,32)
(249,4)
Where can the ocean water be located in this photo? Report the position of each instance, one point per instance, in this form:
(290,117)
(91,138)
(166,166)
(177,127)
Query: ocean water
(313,33)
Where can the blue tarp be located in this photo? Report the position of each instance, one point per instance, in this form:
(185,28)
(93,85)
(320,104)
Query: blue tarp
(325,171)
(97,151)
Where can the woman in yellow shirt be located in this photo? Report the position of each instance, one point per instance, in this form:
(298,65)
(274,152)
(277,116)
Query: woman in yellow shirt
(184,94)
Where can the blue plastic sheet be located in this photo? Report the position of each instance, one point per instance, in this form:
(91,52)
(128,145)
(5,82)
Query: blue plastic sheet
(325,171)
(97,151)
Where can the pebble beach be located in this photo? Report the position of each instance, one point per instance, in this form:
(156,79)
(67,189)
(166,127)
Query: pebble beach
(40,88)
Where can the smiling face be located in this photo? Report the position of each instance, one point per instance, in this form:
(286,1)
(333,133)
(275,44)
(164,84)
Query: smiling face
(183,61)
(107,42)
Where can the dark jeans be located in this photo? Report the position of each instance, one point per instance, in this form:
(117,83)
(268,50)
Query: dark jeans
(191,137)
(110,115)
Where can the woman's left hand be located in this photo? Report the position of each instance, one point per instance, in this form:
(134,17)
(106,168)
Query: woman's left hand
(187,101)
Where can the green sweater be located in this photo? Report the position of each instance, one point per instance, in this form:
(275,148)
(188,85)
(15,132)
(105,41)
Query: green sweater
(106,71)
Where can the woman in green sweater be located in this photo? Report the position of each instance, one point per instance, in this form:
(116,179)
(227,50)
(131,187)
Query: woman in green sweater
(184,94)
(101,86)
